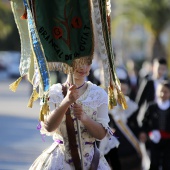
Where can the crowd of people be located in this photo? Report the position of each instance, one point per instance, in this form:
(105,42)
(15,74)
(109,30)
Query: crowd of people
(117,133)
(144,122)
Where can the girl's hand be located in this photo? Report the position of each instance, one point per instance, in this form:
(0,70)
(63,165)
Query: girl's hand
(78,112)
(72,94)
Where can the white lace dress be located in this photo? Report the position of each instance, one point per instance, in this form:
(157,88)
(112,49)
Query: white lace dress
(57,156)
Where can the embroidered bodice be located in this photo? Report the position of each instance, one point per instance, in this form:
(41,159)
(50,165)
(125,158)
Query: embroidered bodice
(95,104)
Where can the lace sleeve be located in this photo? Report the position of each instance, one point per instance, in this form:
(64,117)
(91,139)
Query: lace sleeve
(55,95)
(55,98)
(103,119)
(110,141)
(103,97)
(102,115)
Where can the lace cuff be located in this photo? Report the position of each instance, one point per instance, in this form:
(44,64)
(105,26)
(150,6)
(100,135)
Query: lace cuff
(43,131)
(108,143)
(104,123)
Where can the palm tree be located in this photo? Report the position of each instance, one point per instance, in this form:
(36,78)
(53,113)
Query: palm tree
(152,14)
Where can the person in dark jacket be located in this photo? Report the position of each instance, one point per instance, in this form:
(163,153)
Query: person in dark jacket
(127,155)
(147,89)
(156,128)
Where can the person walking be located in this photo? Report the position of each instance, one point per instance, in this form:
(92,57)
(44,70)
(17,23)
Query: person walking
(86,102)
(126,130)
(156,128)
(147,89)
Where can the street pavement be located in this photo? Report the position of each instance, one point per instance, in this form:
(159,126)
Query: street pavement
(20,141)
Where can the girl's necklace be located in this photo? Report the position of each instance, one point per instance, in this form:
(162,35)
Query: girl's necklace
(77,87)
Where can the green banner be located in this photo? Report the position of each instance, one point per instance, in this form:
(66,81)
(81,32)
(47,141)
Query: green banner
(64,28)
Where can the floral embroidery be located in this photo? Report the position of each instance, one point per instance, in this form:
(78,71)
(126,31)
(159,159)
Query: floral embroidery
(95,113)
(87,154)
(92,98)
(76,22)
(57,32)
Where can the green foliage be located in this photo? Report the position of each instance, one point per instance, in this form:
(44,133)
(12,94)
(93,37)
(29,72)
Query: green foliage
(152,13)
(5,20)
(9,37)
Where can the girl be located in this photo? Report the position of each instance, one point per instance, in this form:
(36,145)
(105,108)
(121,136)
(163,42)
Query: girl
(87,103)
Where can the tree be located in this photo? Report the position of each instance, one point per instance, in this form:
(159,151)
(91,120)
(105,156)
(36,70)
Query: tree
(5,21)
(9,37)
(152,14)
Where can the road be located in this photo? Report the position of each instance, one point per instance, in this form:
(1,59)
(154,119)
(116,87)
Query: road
(20,141)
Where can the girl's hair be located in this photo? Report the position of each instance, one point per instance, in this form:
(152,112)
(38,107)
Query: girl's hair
(160,61)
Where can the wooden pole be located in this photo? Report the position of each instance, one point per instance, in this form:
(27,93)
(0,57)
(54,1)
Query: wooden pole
(78,131)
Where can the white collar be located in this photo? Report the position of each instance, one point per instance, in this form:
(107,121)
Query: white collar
(163,105)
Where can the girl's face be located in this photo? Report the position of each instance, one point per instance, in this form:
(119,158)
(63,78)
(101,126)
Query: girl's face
(82,70)
(159,70)
(163,93)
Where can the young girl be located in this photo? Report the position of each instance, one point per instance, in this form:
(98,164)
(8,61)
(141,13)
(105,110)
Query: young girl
(156,128)
(89,104)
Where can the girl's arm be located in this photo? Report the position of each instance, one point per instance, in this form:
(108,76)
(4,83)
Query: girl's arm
(57,115)
(93,127)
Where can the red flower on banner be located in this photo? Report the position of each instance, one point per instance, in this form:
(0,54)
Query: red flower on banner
(76,22)
(57,32)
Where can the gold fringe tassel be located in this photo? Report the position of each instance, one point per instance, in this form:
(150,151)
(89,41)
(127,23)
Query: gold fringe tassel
(14,85)
(112,99)
(121,99)
(33,98)
(44,110)
(41,116)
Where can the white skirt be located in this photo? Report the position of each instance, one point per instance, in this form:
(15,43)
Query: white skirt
(53,158)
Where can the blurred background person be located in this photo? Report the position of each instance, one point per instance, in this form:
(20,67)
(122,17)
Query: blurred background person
(148,86)
(156,128)
(124,122)
(133,78)
(145,71)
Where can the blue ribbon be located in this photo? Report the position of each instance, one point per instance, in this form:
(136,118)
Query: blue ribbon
(41,60)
